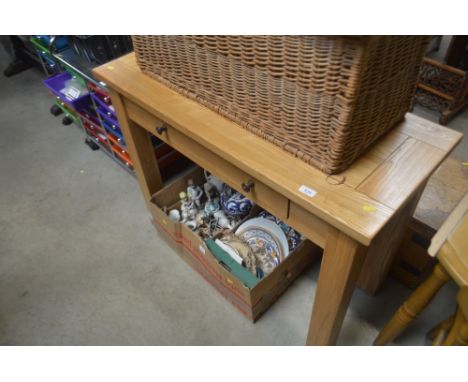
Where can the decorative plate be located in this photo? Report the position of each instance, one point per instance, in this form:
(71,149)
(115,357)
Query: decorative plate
(264,234)
(294,238)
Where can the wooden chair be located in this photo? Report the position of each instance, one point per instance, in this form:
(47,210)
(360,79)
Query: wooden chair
(454,330)
(450,246)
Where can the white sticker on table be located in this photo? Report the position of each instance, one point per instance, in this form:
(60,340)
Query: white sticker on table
(310,192)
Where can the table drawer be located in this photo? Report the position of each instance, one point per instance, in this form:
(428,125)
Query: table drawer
(255,190)
(307,224)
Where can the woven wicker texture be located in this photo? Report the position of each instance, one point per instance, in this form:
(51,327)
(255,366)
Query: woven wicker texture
(324,99)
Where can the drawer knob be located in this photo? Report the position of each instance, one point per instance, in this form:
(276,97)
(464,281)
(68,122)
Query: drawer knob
(247,186)
(161,129)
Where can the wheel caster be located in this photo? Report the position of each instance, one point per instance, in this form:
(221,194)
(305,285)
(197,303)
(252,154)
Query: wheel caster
(67,121)
(92,145)
(55,110)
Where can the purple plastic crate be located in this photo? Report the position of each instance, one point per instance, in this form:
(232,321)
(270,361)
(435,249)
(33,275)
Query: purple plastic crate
(57,83)
(103,106)
(114,130)
(107,116)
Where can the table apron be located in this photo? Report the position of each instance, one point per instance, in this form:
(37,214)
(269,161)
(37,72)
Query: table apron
(260,193)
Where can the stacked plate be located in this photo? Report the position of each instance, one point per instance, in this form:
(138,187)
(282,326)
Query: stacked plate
(294,238)
(266,237)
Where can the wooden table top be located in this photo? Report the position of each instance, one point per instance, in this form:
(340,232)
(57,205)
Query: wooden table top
(358,201)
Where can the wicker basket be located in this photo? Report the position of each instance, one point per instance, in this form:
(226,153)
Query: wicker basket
(324,99)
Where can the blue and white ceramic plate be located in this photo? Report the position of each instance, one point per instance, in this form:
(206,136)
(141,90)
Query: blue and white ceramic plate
(294,238)
(256,238)
(263,233)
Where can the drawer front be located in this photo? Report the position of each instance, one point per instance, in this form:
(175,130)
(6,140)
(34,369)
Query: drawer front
(255,190)
(309,225)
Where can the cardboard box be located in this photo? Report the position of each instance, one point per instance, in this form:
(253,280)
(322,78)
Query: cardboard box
(252,302)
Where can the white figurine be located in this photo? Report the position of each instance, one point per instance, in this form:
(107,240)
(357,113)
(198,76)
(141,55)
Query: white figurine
(215,181)
(222,219)
(211,206)
(185,206)
(210,190)
(194,194)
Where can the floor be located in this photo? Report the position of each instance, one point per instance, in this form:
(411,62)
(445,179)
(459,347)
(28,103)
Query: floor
(80,263)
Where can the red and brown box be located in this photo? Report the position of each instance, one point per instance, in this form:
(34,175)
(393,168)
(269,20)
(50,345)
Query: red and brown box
(252,302)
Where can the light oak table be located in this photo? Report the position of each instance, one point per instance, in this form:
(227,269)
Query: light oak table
(357,217)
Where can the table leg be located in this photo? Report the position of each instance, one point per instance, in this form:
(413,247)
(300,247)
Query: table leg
(143,158)
(384,248)
(341,263)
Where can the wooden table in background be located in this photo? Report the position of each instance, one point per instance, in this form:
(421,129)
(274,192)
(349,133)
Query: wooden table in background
(357,217)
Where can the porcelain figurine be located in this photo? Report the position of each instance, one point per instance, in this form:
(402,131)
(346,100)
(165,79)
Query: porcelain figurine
(194,193)
(210,191)
(222,219)
(211,206)
(185,206)
(215,181)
